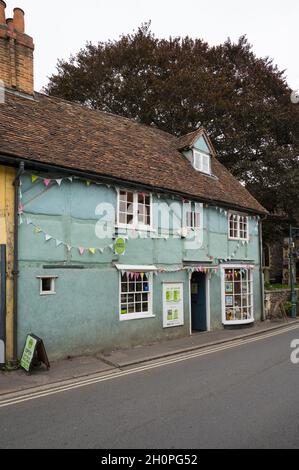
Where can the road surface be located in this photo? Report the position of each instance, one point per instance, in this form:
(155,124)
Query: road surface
(233,396)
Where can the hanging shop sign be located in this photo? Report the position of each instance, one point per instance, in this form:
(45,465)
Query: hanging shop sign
(173,304)
(120,246)
(34,353)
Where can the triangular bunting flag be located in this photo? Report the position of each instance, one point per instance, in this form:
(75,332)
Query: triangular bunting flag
(28,221)
(58,243)
(48,237)
(20,220)
(81,250)
(70,178)
(34,178)
(59,181)
(92,251)
(47,181)
(37,230)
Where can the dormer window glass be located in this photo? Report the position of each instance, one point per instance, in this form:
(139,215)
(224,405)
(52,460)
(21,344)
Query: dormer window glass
(202,162)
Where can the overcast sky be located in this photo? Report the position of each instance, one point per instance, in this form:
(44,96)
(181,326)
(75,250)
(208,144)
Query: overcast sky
(62,27)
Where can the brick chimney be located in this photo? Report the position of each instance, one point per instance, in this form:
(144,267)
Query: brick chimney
(16,52)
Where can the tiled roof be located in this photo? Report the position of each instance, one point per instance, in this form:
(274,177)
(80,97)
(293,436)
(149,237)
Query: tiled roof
(60,133)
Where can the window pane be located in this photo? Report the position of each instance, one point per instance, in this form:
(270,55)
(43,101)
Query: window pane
(129,219)
(122,218)
(130,197)
(47,284)
(206,163)
(145,307)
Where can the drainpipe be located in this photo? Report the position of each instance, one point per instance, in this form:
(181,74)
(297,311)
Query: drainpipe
(16,263)
(261,269)
(2,305)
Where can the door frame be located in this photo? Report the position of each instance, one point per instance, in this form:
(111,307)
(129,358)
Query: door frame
(208,304)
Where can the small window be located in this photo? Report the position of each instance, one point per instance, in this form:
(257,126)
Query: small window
(193,217)
(238,226)
(47,285)
(134,209)
(202,162)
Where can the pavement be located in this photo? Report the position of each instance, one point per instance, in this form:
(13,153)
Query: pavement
(84,366)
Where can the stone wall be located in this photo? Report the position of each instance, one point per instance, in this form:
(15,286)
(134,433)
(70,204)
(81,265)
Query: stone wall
(272,297)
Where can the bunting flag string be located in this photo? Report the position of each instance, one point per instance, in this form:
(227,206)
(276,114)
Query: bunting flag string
(48,181)
(58,242)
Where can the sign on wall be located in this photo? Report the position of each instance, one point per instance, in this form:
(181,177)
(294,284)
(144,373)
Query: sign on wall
(173,304)
(120,246)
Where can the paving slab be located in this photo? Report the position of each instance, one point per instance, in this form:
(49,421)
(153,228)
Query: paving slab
(127,357)
(61,370)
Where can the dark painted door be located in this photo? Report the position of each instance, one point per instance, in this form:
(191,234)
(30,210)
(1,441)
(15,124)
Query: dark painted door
(198,302)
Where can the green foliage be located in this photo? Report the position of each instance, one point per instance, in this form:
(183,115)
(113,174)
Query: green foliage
(178,84)
(269,286)
(288,307)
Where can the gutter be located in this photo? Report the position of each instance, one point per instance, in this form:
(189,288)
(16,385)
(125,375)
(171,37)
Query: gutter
(12,160)
(16,262)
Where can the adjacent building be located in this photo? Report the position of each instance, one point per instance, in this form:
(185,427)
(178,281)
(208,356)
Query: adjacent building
(123,234)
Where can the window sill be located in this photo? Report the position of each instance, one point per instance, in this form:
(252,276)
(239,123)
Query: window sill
(237,322)
(134,316)
(239,239)
(136,229)
(47,293)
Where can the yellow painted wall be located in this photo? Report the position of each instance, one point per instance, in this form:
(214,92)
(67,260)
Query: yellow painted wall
(7,176)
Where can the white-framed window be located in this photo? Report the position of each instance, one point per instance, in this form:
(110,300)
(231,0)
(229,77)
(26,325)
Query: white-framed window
(193,217)
(135,295)
(47,285)
(134,209)
(237,226)
(202,162)
(237,295)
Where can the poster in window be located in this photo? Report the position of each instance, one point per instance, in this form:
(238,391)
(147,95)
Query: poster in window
(228,300)
(173,306)
(228,287)
(169,295)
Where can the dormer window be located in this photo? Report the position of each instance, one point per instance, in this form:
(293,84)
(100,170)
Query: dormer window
(201,161)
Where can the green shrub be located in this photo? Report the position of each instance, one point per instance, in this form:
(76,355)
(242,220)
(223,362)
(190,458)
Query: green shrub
(288,307)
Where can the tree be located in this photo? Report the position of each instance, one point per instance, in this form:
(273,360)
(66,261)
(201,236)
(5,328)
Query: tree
(178,84)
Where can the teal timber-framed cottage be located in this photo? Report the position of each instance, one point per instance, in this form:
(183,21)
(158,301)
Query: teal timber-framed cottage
(126,234)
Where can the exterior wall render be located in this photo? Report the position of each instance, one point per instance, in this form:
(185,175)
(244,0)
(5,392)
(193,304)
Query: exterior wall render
(83,316)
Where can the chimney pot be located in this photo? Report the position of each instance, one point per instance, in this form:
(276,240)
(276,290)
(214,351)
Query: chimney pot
(2,12)
(18,20)
(9,23)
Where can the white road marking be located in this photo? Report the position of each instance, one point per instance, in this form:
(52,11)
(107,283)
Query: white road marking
(152,365)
